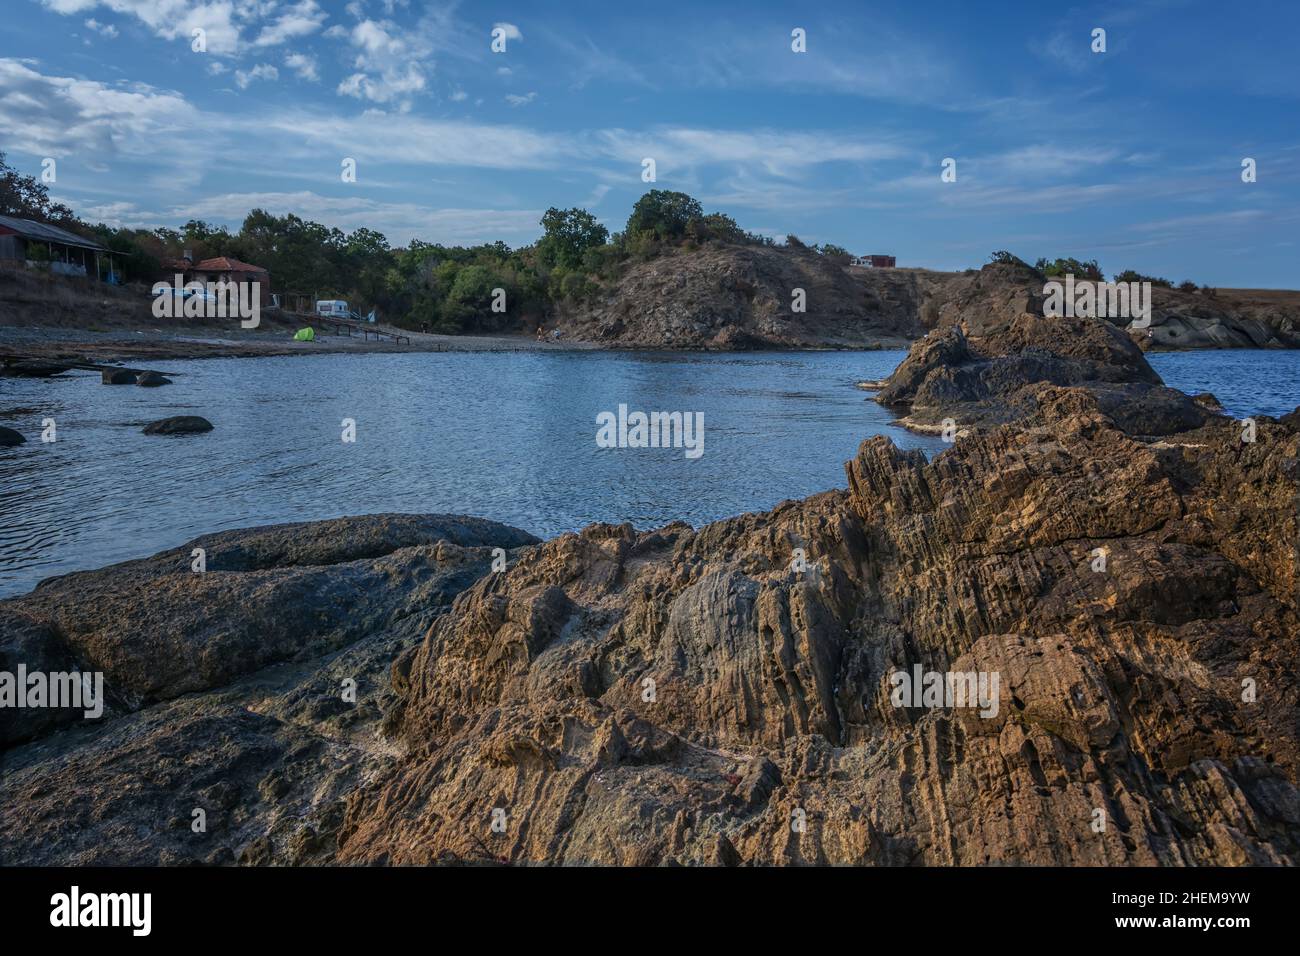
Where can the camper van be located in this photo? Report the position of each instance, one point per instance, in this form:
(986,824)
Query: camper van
(333,308)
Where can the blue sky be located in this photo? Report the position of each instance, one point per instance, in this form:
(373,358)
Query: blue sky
(1132,156)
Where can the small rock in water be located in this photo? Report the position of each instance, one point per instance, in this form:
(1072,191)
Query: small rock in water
(117,376)
(9,438)
(178,425)
(152,379)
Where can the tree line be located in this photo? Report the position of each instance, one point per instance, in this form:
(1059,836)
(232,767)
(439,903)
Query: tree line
(421,285)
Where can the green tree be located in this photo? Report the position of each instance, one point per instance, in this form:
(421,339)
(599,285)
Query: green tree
(715,227)
(836,254)
(663,213)
(567,235)
(26,197)
(468,299)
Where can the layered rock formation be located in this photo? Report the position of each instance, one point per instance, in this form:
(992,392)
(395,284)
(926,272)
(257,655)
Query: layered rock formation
(1121,736)
(1002,366)
(1226,318)
(742,297)
(1230,318)
(727,695)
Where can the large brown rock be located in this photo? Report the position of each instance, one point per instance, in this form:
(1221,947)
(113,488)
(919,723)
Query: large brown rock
(158,628)
(1121,690)
(253,691)
(728,297)
(992,369)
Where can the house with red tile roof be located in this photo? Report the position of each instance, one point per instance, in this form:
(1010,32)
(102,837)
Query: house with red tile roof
(220,268)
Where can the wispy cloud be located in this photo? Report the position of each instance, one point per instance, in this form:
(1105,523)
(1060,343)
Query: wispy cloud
(103,29)
(263,71)
(304,65)
(299,20)
(400,222)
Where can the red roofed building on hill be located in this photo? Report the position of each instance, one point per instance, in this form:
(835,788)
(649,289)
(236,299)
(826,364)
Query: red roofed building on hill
(220,268)
(233,270)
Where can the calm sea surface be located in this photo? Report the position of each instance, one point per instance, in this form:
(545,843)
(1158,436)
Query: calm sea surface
(508,436)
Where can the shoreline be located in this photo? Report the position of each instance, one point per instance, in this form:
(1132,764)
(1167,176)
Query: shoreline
(45,343)
(54,344)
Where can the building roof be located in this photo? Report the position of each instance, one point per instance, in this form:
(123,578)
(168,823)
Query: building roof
(30,229)
(226,264)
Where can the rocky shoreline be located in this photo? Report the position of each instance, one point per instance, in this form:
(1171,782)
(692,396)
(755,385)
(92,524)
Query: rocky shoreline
(1122,556)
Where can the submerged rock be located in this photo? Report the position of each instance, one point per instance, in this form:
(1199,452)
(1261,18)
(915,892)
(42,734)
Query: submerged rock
(178,425)
(32,368)
(152,379)
(10,438)
(117,376)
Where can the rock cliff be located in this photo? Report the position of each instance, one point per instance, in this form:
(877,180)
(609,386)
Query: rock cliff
(743,297)
(1225,318)
(724,297)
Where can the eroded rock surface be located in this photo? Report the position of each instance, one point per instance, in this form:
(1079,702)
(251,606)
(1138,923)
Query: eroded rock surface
(726,297)
(1003,368)
(725,695)
(1121,691)
(226,689)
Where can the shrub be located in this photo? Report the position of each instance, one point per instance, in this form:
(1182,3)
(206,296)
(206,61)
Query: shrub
(1068,266)
(1128,275)
(1006,258)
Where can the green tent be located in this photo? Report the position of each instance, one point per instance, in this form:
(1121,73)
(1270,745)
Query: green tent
(305,335)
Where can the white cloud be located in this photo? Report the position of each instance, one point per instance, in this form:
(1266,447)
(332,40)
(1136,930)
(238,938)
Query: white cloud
(50,115)
(390,66)
(779,152)
(1053,160)
(58,115)
(399,222)
(509,31)
(263,71)
(170,19)
(596,196)
(515,100)
(301,19)
(303,64)
(103,29)
(458,96)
